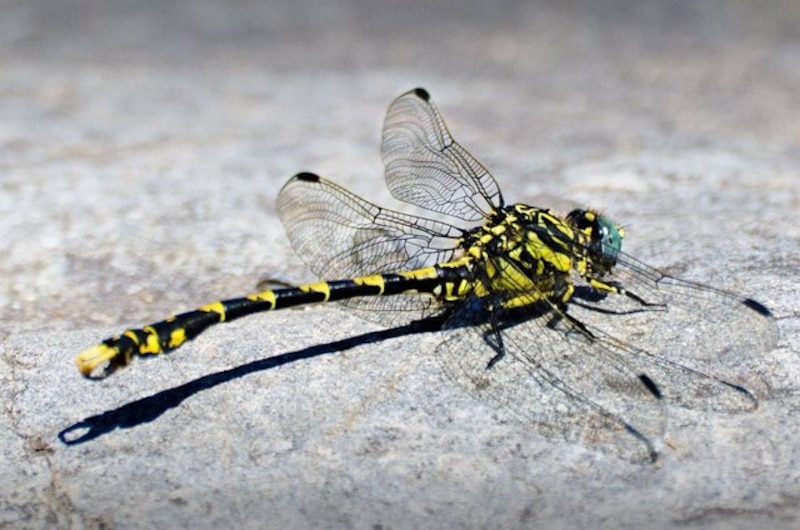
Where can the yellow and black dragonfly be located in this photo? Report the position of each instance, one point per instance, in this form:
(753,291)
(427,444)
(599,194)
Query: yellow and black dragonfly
(542,313)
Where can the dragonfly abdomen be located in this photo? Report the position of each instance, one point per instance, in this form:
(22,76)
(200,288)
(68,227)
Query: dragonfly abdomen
(171,333)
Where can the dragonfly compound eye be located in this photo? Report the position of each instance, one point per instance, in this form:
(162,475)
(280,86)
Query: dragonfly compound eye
(605,237)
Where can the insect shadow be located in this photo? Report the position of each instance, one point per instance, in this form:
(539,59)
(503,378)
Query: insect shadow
(149,408)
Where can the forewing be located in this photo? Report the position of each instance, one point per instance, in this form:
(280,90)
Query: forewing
(426,167)
(702,326)
(340,235)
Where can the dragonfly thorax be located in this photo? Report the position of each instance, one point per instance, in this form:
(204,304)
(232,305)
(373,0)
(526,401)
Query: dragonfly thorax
(527,253)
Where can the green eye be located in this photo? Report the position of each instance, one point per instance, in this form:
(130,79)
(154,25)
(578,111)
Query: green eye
(609,236)
(604,236)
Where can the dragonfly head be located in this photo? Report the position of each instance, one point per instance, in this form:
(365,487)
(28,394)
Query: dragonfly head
(605,237)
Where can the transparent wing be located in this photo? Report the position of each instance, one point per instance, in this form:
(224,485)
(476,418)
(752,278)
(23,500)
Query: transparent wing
(551,384)
(340,235)
(570,376)
(426,167)
(698,323)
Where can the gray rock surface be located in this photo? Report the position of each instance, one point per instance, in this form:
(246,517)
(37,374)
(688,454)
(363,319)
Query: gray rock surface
(141,149)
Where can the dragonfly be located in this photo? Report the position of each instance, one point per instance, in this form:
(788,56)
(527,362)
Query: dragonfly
(541,313)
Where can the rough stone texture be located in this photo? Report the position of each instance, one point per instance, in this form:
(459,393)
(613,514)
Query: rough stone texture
(141,149)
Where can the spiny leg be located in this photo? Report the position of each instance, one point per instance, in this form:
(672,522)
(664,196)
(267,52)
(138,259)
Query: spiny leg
(498,336)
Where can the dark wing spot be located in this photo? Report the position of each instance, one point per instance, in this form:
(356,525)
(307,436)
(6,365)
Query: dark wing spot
(307,177)
(651,385)
(757,307)
(421,93)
